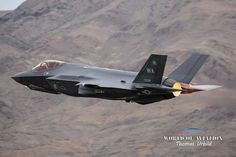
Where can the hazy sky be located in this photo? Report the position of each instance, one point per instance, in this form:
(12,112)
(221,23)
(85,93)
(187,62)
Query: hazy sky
(10,4)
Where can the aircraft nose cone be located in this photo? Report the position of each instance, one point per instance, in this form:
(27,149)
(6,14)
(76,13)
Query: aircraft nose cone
(20,77)
(16,78)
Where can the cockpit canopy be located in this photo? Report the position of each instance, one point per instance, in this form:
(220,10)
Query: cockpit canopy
(48,64)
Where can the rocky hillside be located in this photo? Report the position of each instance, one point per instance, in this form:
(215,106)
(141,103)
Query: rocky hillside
(2,13)
(116,34)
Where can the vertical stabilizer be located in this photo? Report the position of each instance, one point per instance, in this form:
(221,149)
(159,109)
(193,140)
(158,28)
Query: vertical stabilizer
(152,71)
(186,71)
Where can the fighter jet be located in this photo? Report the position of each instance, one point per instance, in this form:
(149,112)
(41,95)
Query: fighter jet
(143,87)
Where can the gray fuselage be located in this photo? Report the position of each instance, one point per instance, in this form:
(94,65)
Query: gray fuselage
(89,81)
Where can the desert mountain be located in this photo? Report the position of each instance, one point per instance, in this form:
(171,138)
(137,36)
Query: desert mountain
(116,34)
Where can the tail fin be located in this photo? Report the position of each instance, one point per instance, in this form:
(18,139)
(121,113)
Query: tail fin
(186,71)
(152,71)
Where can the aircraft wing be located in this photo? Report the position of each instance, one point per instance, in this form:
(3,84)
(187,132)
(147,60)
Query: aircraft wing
(90,82)
(97,83)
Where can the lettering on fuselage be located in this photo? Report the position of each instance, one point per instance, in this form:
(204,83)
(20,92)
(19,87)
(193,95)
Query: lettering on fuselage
(147,80)
(154,62)
(99,91)
(150,71)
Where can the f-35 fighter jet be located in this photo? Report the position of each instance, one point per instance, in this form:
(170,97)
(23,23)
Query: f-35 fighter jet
(143,87)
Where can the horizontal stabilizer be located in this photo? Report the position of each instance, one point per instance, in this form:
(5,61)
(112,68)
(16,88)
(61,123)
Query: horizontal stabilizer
(156,86)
